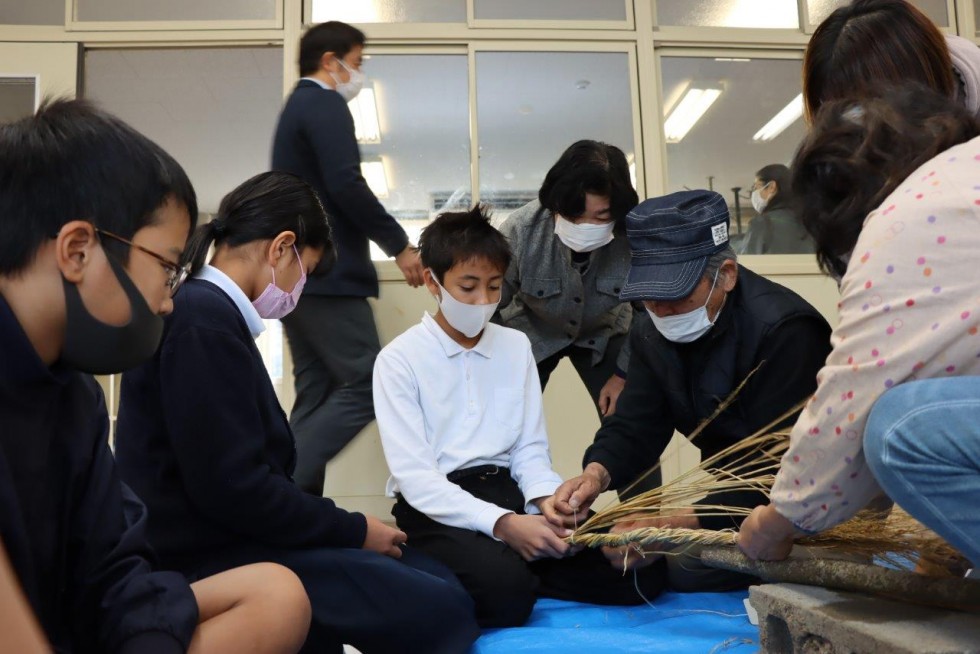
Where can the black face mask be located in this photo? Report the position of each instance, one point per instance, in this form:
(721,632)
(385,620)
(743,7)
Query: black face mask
(94,347)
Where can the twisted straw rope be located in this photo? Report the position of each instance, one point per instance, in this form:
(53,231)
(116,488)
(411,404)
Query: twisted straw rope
(658,535)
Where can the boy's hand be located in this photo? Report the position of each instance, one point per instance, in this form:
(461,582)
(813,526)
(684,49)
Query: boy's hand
(610,394)
(383,539)
(531,536)
(410,264)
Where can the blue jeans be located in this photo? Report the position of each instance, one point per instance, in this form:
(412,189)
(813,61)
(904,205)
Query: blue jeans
(922,443)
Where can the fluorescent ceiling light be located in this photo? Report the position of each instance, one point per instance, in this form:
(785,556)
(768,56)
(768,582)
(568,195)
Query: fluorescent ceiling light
(374,174)
(688,112)
(786,117)
(364,108)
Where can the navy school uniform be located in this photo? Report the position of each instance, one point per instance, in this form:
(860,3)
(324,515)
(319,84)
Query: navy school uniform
(75,535)
(202,439)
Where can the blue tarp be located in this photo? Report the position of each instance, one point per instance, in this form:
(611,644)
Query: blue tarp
(705,623)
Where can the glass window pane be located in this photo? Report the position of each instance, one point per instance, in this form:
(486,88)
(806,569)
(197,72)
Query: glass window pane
(419,164)
(175,10)
(35,12)
(772,14)
(213,109)
(17,96)
(533,105)
(550,9)
(389,11)
(727,118)
(934,9)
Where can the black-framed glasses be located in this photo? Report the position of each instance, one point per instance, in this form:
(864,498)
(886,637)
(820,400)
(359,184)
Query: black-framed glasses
(176,274)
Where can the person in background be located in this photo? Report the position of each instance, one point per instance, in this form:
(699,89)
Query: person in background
(896,406)
(869,42)
(332,335)
(570,262)
(93,221)
(459,409)
(712,323)
(202,438)
(776,228)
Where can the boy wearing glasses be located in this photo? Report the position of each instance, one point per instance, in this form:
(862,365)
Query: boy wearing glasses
(89,212)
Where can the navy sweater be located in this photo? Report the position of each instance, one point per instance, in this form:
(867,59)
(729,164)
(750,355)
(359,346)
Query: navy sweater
(74,533)
(315,141)
(202,439)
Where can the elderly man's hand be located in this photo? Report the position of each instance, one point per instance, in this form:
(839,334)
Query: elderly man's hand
(766,535)
(635,556)
(569,506)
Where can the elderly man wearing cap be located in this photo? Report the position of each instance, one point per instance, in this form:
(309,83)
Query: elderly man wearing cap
(712,322)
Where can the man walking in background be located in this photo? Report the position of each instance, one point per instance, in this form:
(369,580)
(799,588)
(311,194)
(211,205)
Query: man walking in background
(332,334)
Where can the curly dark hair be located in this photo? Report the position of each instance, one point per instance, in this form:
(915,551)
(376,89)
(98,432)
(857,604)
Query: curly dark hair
(857,152)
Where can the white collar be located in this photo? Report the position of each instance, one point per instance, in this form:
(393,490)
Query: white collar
(252,318)
(483,347)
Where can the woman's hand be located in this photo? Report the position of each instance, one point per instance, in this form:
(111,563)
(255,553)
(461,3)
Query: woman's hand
(766,535)
(609,394)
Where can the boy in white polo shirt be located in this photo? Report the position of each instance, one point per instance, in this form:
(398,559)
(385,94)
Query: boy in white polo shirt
(458,404)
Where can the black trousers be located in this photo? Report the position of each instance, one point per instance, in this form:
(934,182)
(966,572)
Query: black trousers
(333,342)
(378,604)
(594,377)
(505,586)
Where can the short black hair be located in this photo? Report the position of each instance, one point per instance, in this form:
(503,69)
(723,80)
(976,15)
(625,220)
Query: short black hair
(455,237)
(260,208)
(72,161)
(332,36)
(589,167)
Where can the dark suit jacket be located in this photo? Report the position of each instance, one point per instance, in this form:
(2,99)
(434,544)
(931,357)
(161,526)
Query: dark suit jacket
(315,140)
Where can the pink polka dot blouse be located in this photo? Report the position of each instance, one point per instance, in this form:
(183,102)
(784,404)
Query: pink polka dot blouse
(909,309)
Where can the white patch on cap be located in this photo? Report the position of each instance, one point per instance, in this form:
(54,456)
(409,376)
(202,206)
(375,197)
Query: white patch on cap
(719,233)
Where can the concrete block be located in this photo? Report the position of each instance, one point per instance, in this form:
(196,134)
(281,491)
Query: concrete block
(795,619)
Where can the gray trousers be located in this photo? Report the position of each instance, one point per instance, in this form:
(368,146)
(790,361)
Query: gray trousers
(593,376)
(334,342)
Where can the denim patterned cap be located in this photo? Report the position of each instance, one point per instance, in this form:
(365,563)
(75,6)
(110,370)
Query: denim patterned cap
(671,239)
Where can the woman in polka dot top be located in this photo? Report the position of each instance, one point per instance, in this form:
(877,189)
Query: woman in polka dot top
(891,194)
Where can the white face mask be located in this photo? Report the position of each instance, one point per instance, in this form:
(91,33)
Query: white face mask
(690,326)
(470,319)
(348,90)
(584,237)
(759,203)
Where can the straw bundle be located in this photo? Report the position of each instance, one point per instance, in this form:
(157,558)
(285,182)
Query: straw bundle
(751,465)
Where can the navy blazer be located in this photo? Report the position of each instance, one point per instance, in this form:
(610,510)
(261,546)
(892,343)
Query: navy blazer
(315,141)
(202,439)
(74,533)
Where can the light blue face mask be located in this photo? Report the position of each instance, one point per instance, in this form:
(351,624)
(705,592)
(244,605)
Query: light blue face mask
(690,326)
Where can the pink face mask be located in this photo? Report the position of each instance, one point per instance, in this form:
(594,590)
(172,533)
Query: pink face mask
(275,303)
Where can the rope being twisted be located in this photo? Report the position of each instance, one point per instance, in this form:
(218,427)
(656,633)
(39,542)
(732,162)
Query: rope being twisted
(656,536)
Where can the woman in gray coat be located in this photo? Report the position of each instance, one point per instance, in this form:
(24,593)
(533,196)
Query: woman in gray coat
(570,260)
